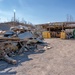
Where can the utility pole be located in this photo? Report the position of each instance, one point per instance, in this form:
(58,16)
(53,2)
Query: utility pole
(14,17)
(67,17)
(70,18)
(62,26)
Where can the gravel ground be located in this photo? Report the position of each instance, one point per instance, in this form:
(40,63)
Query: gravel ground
(59,60)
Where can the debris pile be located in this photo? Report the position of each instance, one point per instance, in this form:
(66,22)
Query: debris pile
(18,41)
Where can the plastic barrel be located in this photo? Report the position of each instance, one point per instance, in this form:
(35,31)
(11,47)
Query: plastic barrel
(63,35)
(46,34)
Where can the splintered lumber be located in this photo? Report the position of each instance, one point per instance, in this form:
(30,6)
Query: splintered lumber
(9,39)
(7,48)
(9,60)
(2,53)
(11,46)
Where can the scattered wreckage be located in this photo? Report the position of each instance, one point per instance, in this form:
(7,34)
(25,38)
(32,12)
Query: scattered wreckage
(14,43)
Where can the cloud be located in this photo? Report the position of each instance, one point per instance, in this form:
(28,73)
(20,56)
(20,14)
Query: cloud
(5,13)
(8,15)
(5,16)
(3,19)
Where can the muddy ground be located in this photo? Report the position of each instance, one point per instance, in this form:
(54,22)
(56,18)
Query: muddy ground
(59,60)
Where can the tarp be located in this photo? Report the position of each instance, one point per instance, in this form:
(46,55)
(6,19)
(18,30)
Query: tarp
(25,35)
(9,32)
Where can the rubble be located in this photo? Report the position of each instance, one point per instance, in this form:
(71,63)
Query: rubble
(22,42)
(9,60)
(46,48)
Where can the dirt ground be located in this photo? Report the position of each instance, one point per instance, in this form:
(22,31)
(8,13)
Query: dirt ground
(59,60)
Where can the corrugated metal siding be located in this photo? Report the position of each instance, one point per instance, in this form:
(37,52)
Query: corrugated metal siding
(4,27)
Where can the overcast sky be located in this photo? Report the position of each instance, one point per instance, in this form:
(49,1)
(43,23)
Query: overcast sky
(37,11)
